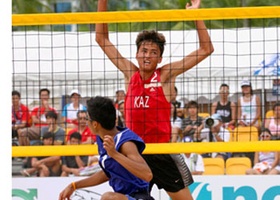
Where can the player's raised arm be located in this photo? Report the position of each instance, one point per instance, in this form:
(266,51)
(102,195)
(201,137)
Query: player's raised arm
(205,48)
(102,38)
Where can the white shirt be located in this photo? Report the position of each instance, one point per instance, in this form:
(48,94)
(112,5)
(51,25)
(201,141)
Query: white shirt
(177,123)
(224,134)
(194,162)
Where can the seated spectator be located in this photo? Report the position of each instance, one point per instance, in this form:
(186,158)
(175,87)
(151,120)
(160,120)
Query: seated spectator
(215,133)
(73,164)
(45,166)
(176,124)
(38,115)
(273,123)
(120,96)
(58,132)
(69,112)
(121,114)
(192,125)
(194,161)
(225,108)
(20,115)
(249,106)
(179,105)
(265,162)
(87,136)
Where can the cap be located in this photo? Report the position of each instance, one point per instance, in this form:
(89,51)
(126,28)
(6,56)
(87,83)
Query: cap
(245,83)
(217,119)
(75,91)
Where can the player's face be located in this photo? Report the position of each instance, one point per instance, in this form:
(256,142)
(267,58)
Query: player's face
(148,56)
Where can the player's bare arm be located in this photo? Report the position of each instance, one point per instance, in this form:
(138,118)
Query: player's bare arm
(102,38)
(95,179)
(172,70)
(129,158)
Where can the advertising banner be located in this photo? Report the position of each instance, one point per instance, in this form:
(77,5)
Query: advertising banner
(204,188)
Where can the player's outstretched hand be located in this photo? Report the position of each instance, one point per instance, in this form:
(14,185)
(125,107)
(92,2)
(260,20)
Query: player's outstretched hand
(194,4)
(66,193)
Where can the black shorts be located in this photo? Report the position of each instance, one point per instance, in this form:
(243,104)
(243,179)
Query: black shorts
(170,171)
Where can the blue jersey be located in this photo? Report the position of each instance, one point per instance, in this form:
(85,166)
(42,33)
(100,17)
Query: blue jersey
(120,179)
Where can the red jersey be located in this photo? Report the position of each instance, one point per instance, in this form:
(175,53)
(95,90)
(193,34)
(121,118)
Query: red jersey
(40,113)
(147,112)
(22,114)
(85,134)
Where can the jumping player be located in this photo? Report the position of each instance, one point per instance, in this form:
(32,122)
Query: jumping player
(149,94)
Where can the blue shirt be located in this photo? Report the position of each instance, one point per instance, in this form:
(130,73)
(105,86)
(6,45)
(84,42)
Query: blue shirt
(120,179)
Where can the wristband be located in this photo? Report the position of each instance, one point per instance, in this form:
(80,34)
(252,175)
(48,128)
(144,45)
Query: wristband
(74,185)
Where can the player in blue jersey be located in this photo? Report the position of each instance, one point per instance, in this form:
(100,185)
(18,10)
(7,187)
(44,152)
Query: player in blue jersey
(120,156)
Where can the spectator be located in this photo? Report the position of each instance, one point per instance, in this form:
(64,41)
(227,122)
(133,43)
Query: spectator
(179,105)
(87,136)
(249,106)
(47,166)
(194,161)
(265,162)
(215,133)
(58,132)
(192,125)
(120,114)
(73,164)
(120,96)
(273,123)
(225,108)
(20,115)
(176,124)
(69,112)
(38,115)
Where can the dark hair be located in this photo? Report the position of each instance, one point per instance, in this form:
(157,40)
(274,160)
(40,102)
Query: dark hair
(48,135)
(81,111)
(119,91)
(192,104)
(276,105)
(266,130)
(14,92)
(76,135)
(176,90)
(174,113)
(151,36)
(102,110)
(224,85)
(51,114)
(44,90)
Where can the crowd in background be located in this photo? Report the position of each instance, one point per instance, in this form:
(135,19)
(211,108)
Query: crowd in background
(43,126)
